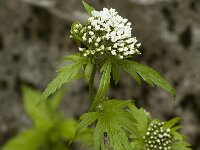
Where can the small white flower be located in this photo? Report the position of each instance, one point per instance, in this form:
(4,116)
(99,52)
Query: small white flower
(113,52)
(96,44)
(120,49)
(84,38)
(102,47)
(91,33)
(109,48)
(89,40)
(81,49)
(121,44)
(115,45)
(89,27)
(168,130)
(121,57)
(138,45)
(107,28)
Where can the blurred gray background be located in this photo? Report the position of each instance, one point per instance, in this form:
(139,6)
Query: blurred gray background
(34,35)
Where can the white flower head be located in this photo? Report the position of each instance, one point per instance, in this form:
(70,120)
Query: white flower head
(157,138)
(107,28)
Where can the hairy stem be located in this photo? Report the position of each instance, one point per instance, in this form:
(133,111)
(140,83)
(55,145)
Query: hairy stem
(91,84)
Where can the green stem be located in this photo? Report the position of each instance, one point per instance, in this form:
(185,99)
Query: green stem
(91,85)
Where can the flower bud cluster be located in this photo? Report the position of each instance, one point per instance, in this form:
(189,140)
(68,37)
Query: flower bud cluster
(107,32)
(157,138)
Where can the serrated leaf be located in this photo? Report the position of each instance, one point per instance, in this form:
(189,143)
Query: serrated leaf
(147,74)
(110,122)
(39,115)
(180,146)
(138,144)
(88,8)
(171,123)
(141,118)
(66,74)
(114,120)
(56,100)
(76,57)
(86,120)
(104,84)
(27,140)
(67,129)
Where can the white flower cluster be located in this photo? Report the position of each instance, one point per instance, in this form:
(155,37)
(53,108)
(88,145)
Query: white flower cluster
(157,138)
(107,32)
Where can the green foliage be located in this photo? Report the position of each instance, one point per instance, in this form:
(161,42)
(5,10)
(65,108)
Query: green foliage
(50,131)
(141,118)
(65,74)
(110,125)
(88,8)
(149,75)
(179,139)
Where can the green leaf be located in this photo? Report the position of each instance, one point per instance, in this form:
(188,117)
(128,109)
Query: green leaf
(147,74)
(67,129)
(88,8)
(39,115)
(138,144)
(141,117)
(27,140)
(86,120)
(104,84)
(86,138)
(180,146)
(66,74)
(56,99)
(171,123)
(112,120)
(76,57)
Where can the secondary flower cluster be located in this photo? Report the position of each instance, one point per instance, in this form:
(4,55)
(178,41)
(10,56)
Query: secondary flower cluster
(157,138)
(107,32)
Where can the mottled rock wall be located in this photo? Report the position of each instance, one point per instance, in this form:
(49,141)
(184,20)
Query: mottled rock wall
(34,35)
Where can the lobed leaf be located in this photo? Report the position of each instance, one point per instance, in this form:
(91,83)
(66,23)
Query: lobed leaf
(76,57)
(56,100)
(66,74)
(27,140)
(86,120)
(147,74)
(171,123)
(113,124)
(141,118)
(39,115)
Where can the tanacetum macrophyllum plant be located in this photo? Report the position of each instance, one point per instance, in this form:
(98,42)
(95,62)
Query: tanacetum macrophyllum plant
(106,44)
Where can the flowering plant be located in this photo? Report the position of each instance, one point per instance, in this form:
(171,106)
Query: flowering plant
(105,43)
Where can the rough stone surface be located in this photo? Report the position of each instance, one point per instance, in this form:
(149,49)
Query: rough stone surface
(34,36)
